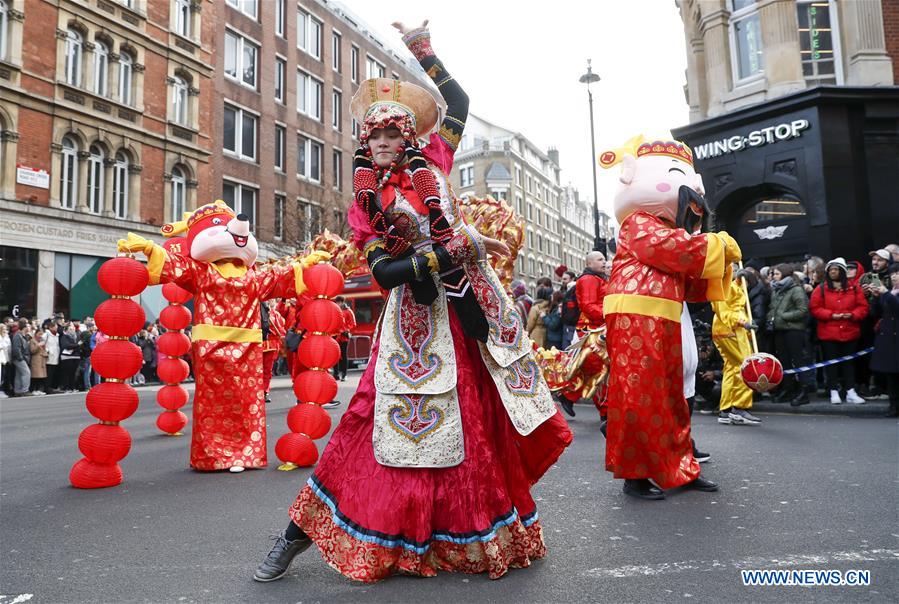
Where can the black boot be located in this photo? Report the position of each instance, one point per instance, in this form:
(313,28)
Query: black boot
(278,560)
(698,455)
(567,405)
(801,398)
(642,489)
(701,484)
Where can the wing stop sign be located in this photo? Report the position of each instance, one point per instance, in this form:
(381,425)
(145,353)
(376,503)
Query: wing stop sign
(756,138)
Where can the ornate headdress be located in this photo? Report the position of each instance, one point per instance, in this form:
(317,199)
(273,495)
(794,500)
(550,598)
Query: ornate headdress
(639,146)
(382,102)
(216,208)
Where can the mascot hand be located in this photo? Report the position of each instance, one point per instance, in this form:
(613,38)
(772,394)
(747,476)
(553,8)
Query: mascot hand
(135,243)
(314,258)
(732,251)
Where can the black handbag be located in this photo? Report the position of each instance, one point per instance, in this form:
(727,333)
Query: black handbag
(292,340)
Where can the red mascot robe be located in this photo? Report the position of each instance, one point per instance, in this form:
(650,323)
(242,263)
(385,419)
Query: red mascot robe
(657,266)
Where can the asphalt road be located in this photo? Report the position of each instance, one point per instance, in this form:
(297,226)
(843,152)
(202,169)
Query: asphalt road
(801,491)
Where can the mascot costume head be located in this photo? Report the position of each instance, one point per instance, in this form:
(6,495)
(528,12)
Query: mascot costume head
(214,233)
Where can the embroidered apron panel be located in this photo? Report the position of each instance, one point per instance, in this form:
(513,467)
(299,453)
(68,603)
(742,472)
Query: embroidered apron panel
(418,430)
(416,352)
(523,390)
(508,341)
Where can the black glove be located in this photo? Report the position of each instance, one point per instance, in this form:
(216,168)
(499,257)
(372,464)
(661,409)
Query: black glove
(361,159)
(414,156)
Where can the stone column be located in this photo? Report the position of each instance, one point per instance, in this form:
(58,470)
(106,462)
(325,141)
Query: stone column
(83,189)
(112,92)
(718,71)
(780,44)
(46,276)
(865,60)
(87,65)
(108,209)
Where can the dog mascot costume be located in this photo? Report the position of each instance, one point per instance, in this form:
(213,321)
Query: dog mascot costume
(217,266)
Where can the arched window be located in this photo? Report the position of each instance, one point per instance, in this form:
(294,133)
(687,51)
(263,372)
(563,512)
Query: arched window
(120,185)
(101,69)
(68,174)
(3,24)
(179,101)
(95,178)
(179,193)
(125,77)
(73,58)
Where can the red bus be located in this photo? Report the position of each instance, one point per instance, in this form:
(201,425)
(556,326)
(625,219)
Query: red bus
(367,301)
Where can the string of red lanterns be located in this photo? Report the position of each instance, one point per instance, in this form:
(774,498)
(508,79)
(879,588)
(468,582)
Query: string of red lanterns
(106,443)
(172,370)
(317,353)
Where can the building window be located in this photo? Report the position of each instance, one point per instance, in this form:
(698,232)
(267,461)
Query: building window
(816,42)
(179,101)
(309,158)
(280,141)
(497,194)
(182,18)
(355,127)
(354,63)
(278,230)
(120,185)
(309,34)
(95,179)
(125,78)
(335,51)
(247,7)
(4,9)
(68,175)
(241,199)
(466,176)
(335,109)
(374,69)
(308,221)
(179,194)
(240,133)
(280,73)
(309,95)
(101,69)
(337,169)
(240,60)
(73,57)
(746,39)
(279,17)
(519,206)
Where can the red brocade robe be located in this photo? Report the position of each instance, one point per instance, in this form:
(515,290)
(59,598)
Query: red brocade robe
(229,409)
(656,268)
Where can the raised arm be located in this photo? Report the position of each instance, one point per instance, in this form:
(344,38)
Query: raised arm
(418,41)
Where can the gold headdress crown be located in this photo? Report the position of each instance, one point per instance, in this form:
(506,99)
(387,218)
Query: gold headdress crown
(384,99)
(638,146)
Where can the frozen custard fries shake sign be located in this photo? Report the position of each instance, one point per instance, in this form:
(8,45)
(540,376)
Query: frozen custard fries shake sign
(756,138)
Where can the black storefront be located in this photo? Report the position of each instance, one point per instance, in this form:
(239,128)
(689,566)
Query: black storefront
(816,172)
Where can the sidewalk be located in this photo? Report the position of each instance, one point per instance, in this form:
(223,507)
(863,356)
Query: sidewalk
(821,405)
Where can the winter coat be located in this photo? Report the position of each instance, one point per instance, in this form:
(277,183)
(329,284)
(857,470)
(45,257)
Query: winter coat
(553,323)
(536,328)
(85,341)
(881,278)
(789,307)
(20,350)
(759,299)
(5,345)
(826,302)
(39,357)
(52,341)
(68,347)
(147,350)
(885,357)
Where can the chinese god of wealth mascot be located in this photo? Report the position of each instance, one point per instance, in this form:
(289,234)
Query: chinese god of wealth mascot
(659,264)
(217,265)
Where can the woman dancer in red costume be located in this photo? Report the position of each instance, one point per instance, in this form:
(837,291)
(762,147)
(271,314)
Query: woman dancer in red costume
(432,463)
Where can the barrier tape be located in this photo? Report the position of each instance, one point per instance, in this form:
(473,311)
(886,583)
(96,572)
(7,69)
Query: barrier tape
(848,357)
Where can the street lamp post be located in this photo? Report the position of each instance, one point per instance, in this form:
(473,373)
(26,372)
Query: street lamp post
(590,78)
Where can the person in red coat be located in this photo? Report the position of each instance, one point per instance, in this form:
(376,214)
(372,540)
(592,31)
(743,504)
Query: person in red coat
(273,331)
(343,337)
(840,308)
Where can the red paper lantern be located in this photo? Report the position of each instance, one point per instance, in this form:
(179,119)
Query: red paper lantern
(297,449)
(323,280)
(173,344)
(322,316)
(175,293)
(762,372)
(172,397)
(171,422)
(315,386)
(104,444)
(87,474)
(120,317)
(174,317)
(318,351)
(117,359)
(309,419)
(123,277)
(112,401)
(172,371)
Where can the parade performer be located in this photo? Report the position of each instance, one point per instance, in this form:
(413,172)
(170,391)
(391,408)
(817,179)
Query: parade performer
(432,463)
(217,266)
(730,333)
(273,331)
(657,266)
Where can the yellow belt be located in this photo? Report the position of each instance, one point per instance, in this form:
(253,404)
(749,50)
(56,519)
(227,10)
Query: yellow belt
(226,333)
(642,305)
